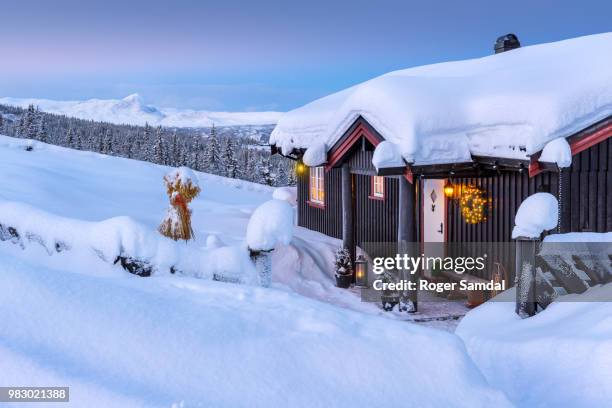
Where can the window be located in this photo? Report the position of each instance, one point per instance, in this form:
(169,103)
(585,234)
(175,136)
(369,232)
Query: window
(378,187)
(317,185)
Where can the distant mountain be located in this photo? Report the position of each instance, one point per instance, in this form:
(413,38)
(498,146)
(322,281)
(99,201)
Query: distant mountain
(133,111)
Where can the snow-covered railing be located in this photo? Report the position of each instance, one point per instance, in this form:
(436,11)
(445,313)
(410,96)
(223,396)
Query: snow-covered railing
(121,241)
(560,263)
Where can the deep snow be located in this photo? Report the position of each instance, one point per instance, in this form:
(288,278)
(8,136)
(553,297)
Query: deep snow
(120,340)
(561,357)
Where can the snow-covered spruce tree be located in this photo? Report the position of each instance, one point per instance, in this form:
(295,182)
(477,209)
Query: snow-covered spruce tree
(182,188)
(266,176)
(41,132)
(212,155)
(69,142)
(108,142)
(292,176)
(158,148)
(229,159)
(174,156)
(195,154)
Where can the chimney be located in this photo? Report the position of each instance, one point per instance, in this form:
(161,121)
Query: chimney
(506,43)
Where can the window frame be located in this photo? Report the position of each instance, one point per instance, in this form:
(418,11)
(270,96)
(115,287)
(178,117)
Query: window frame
(374,194)
(316,186)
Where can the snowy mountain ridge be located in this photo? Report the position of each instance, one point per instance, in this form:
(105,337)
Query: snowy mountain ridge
(132,110)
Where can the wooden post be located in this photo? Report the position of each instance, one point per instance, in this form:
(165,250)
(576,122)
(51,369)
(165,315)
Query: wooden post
(348,226)
(526,276)
(406,236)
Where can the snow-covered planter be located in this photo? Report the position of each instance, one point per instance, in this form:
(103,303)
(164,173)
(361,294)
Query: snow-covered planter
(536,214)
(271,224)
(343,268)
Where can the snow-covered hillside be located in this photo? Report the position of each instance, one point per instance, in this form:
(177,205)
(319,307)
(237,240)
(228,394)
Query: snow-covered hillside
(120,341)
(132,110)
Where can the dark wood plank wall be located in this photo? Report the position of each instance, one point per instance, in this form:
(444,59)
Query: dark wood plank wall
(506,192)
(327,220)
(586,194)
(376,220)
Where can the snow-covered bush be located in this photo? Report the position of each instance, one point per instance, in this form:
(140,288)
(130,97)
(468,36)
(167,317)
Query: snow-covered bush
(536,214)
(181,187)
(343,268)
(342,264)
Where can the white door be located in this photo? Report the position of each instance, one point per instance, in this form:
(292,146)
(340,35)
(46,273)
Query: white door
(434,210)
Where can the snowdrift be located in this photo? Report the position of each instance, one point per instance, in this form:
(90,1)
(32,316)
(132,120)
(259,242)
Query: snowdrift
(559,357)
(154,342)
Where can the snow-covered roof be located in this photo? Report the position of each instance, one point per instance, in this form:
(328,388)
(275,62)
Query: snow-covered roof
(505,105)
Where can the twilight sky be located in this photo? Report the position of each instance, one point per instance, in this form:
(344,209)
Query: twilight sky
(257,54)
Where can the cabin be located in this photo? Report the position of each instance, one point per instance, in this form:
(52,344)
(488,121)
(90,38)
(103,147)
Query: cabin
(444,155)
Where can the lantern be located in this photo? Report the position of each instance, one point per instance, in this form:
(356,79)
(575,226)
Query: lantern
(361,272)
(300,167)
(449,190)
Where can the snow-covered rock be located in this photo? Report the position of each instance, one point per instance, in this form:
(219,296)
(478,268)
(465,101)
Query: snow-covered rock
(288,194)
(537,213)
(133,110)
(270,224)
(557,151)
(560,357)
(315,155)
(387,155)
(505,105)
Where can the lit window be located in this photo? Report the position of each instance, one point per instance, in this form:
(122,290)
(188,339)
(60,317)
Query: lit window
(317,185)
(378,186)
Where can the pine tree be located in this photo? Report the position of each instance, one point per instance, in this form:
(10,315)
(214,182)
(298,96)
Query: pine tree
(173,158)
(193,160)
(266,176)
(281,179)
(69,138)
(79,142)
(229,159)
(158,148)
(292,176)
(108,142)
(212,155)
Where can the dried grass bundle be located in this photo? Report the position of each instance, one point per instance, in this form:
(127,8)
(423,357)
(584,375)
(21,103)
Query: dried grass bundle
(181,189)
